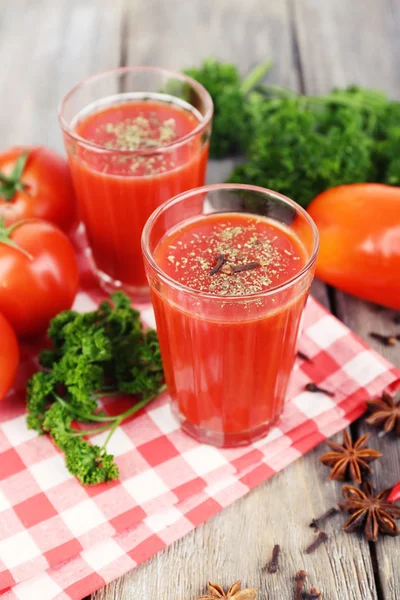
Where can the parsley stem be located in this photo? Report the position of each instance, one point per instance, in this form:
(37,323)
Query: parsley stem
(255,76)
(135,408)
(82,415)
(338,98)
(116,420)
(110,433)
(105,394)
(138,406)
(83,432)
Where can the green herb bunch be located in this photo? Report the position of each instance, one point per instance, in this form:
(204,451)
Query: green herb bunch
(301,145)
(301,150)
(93,354)
(231,119)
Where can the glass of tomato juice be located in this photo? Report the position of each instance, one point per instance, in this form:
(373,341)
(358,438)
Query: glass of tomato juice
(135,137)
(230,268)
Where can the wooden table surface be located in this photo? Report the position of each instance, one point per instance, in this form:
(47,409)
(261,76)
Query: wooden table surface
(48,45)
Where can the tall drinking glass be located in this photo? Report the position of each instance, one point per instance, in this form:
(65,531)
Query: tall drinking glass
(229,268)
(135,137)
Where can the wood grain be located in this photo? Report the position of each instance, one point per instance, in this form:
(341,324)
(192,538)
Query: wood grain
(45,51)
(359,43)
(177,34)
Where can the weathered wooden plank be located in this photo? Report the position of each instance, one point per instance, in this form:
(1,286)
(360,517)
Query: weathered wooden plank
(358,42)
(175,34)
(365,318)
(45,49)
(343,42)
(239,541)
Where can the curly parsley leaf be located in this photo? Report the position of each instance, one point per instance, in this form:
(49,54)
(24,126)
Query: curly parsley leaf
(89,463)
(40,389)
(230,129)
(104,351)
(300,145)
(304,145)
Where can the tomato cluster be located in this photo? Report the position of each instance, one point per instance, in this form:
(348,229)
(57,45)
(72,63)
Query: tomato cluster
(38,268)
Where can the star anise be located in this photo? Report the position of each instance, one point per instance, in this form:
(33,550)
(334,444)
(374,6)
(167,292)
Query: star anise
(385,412)
(349,461)
(234,592)
(369,510)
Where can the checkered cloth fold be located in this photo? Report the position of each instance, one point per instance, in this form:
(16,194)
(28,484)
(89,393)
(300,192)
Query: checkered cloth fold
(61,540)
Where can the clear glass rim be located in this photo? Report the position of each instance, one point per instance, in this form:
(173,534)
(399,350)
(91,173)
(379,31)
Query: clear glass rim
(233,187)
(149,151)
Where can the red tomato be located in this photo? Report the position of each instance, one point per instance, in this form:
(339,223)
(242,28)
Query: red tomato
(36,183)
(38,275)
(9,356)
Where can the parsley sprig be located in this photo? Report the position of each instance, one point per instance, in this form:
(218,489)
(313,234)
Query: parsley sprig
(300,145)
(93,354)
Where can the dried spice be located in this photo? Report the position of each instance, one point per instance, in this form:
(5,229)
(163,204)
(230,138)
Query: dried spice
(313,387)
(350,461)
(247,267)
(313,594)
(304,356)
(300,580)
(316,523)
(371,511)
(232,269)
(385,410)
(234,592)
(320,539)
(253,257)
(141,132)
(220,261)
(272,566)
(396,319)
(386,340)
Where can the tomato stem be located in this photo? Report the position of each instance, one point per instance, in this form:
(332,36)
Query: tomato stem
(5,233)
(11,184)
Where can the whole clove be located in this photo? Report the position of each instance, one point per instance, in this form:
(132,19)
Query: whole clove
(313,387)
(231,269)
(272,566)
(246,267)
(304,356)
(313,594)
(300,580)
(320,539)
(386,340)
(316,523)
(220,261)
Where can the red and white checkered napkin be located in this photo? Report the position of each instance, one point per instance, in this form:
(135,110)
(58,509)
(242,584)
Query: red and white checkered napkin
(61,540)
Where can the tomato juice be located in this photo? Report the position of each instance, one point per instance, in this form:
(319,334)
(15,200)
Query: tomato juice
(118,193)
(228,329)
(130,150)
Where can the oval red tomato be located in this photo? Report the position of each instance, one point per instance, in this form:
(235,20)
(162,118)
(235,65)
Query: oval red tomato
(35,182)
(9,356)
(38,275)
